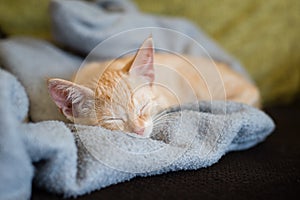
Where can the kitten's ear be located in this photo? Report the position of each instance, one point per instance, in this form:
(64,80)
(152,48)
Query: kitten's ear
(142,63)
(72,99)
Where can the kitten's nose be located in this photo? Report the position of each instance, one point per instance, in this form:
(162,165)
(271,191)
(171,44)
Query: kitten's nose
(139,131)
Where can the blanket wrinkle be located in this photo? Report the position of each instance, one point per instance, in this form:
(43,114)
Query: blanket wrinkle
(16,170)
(71,159)
(74,26)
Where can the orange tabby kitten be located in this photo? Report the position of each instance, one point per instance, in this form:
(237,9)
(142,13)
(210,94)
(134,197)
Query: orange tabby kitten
(125,94)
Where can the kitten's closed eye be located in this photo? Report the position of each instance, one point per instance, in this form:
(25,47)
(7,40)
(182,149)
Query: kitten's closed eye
(148,109)
(113,120)
(113,123)
(141,110)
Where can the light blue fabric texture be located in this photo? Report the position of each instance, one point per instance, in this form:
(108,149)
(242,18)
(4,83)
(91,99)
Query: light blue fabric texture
(83,25)
(74,161)
(16,170)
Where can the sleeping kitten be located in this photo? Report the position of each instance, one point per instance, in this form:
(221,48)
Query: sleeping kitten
(126,93)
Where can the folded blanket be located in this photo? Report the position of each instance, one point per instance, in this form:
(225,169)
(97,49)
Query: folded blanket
(33,61)
(198,135)
(72,159)
(15,165)
(82,25)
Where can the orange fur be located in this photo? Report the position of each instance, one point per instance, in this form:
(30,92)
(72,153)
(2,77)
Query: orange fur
(126,98)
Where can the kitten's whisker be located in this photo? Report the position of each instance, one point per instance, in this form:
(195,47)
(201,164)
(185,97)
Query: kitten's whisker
(160,114)
(162,123)
(163,117)
(159,118)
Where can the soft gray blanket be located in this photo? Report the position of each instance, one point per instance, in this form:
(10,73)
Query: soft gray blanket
(74,160)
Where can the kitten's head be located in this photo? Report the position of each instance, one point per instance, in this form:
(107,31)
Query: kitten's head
(123,99)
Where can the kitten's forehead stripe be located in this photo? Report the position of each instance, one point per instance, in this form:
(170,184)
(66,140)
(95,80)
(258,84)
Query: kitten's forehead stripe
(115,93)
(116,99)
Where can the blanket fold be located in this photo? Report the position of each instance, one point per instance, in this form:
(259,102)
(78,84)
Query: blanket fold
(73,159)
(16,170)
(83,25)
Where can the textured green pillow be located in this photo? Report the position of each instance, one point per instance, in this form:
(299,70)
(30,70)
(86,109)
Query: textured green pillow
(263,35)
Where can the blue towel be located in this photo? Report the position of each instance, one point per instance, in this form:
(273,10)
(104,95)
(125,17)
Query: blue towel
(16,170)
(82,25)
(73,159)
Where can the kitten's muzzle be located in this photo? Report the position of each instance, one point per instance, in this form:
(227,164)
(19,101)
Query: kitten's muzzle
(139,131)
